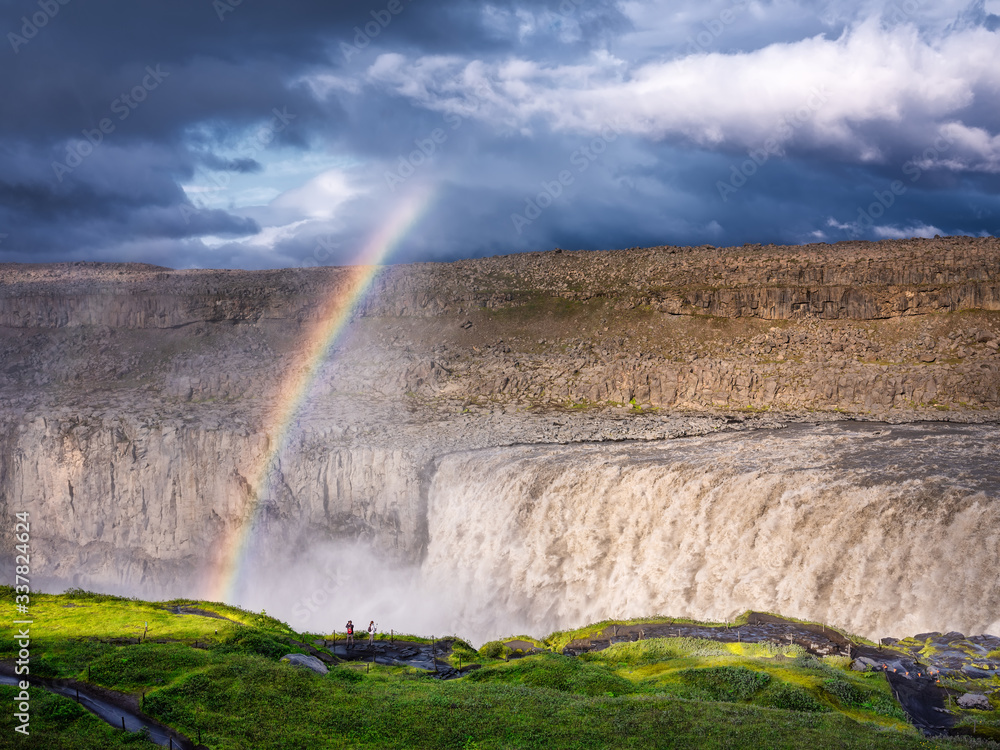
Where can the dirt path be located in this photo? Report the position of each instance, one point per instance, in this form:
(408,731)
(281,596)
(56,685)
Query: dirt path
(105,705)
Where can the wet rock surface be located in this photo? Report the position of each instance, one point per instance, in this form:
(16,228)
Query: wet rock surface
(955,655)
(431,657)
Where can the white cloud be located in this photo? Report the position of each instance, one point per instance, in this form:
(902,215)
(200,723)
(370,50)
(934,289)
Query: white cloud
(319,198)
(864,95)
(899,233)
(317,206)
(883,231)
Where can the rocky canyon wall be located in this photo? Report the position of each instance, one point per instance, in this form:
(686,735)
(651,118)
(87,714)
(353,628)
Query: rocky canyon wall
(137,404)
(143,507)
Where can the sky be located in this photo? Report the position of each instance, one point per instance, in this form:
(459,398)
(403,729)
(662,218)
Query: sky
(255,134)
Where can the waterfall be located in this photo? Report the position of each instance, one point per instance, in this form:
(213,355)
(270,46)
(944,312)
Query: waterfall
(878,529)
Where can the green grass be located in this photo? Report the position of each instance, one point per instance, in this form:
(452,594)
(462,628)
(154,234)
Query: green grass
(73,613)
(557,672)
(681,693)
(732,684)
(255,703)
(765,674)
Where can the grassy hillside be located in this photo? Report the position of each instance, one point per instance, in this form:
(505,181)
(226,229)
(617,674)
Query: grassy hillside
(223,678)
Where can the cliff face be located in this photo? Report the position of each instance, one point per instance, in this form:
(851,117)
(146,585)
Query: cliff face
(854,327)
(846,281)
(138,296)
(144,503)
(137,404)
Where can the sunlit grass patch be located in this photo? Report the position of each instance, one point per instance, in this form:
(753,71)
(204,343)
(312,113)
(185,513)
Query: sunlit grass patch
(556,672)
(133,667)
(82,614)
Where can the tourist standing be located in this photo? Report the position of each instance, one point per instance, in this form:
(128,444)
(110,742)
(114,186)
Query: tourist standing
(350,633)
(371,633)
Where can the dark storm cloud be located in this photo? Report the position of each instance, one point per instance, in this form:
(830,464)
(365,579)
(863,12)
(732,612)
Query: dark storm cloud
(212,133)
(181,79)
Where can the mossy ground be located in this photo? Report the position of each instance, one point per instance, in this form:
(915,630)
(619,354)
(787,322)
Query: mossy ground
(234,691)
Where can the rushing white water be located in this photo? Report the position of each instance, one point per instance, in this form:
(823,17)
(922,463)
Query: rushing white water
(881,530)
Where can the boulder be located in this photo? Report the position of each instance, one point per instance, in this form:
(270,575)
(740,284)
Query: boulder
(863,664)
(975,700)
(309,662)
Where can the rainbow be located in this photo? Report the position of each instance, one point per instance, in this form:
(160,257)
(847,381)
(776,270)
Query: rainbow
(295,391)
